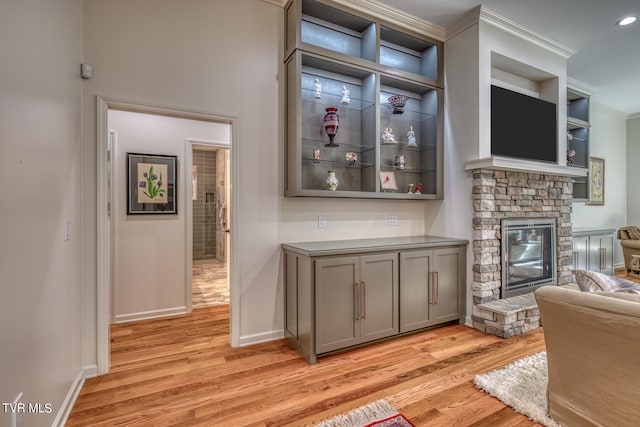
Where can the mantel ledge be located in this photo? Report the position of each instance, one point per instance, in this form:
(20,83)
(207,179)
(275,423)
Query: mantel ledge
(519,165)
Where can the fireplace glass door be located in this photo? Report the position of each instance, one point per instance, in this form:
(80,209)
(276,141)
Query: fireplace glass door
(528,251)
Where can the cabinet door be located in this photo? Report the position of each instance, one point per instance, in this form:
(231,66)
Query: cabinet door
(600,252)
(336,303)
(448,275)
(415,289)
(379,296)
(580,258)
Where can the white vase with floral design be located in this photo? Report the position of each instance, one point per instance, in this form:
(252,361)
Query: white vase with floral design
(331,181)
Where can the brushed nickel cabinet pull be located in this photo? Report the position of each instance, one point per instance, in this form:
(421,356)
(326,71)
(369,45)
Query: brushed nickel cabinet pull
(364,299)
(433,290)
(358,300)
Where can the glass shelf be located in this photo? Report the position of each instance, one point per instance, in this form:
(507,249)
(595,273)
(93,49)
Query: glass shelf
(405,169)
(337,164)
(310,144)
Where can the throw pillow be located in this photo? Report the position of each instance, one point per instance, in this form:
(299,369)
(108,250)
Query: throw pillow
(592,281)
(634,232)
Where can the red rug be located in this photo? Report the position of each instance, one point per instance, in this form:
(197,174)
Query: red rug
(397,420)
(376,414)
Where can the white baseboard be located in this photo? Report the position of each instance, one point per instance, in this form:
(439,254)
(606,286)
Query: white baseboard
(261,337)
(152,314)
(70,399)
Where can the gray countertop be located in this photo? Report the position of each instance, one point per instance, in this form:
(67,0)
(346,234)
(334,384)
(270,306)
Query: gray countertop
(338,247)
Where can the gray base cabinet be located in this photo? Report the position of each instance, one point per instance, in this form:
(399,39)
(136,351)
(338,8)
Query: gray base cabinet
(593,250)
(432,284)
(356,300)
(343,294)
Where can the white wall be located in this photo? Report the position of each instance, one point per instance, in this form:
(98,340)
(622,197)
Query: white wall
(149,251)
(454,215)
(633,171)
(608,140)
(40,168)
(214,56)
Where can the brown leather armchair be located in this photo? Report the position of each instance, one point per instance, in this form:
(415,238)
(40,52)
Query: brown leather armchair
(630,242)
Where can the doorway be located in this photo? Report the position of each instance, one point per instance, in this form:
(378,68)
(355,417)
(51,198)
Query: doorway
(210,164)
(109,203)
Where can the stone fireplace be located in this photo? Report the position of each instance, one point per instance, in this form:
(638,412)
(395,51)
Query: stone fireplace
(499,195)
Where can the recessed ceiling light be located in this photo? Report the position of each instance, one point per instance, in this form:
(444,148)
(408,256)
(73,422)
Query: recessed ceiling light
(626,21)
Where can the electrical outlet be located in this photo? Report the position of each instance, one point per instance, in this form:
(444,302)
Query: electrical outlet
(393,219)
(322,222)
(67,227)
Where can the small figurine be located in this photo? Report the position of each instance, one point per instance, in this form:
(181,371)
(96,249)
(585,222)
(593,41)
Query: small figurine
(400,161)
(418,189)
(318,87)
(387,136)
(411,137)
(316,155)
(351,158)
(570,155)
(410,188)
(345,95)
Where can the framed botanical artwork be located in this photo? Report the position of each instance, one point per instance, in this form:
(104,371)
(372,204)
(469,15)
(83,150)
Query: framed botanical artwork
(152,184)
(596,181)
(388,180)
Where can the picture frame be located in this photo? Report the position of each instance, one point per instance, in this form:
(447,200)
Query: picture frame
(152,184)
(388,180)
(596,181)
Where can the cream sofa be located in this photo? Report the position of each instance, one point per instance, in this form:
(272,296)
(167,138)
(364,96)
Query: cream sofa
(593,356)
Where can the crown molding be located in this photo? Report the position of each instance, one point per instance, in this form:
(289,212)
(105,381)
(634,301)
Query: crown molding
(468,20)
(482,14)
(525,33)
(398,17)
(634,116)
(578,86)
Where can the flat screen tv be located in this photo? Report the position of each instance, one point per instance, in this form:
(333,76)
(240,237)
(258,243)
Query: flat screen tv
(523,126)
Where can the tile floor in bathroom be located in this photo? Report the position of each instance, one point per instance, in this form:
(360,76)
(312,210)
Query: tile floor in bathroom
(209,284)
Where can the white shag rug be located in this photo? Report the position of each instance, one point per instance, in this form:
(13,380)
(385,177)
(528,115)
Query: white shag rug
(521,385)
(362,416)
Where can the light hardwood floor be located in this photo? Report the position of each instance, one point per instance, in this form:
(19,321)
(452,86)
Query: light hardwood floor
(182,372)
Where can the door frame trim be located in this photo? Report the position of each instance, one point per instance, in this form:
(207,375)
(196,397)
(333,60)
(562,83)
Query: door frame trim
(104,261)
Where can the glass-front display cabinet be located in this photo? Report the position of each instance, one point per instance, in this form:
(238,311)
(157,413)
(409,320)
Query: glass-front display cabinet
(578,128)
(364,107)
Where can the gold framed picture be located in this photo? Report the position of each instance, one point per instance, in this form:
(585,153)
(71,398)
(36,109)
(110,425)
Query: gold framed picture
(388,180)
(596,181)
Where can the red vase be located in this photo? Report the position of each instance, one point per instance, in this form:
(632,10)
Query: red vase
(331,122)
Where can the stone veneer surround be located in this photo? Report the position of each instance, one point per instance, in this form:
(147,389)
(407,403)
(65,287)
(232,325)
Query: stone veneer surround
(499,194)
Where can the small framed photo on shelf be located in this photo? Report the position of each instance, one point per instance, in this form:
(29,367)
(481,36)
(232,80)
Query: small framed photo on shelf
(151,184)
(596,181)
(388,180)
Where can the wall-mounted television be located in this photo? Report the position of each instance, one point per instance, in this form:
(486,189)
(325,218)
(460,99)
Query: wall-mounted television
(523,126)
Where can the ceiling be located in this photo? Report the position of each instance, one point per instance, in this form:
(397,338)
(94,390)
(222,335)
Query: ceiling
(607,57)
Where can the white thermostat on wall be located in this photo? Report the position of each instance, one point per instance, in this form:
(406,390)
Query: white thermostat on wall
(86,71)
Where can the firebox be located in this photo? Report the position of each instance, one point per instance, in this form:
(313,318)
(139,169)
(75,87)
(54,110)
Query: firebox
(528,255)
